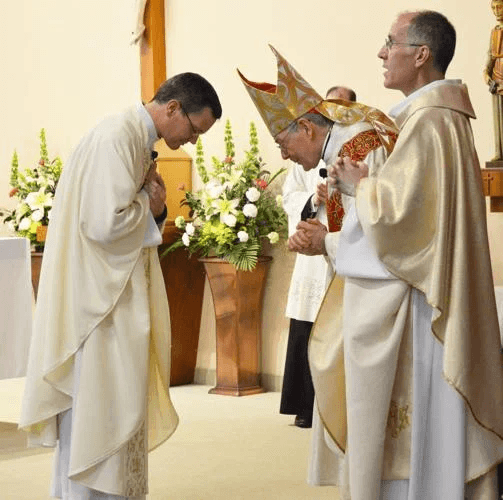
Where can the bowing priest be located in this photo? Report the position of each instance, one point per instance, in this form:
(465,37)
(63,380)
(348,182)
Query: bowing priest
(305,196)
(408,373)
(98,372)
(309,129)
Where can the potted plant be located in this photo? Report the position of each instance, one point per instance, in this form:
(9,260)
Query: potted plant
(234,216)
(34,189)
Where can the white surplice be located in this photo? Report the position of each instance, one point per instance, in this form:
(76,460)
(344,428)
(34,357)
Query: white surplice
(311,274)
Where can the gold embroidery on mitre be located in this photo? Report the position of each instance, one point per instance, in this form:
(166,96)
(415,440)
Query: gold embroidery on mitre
(398,419)
(348,113)
(281,104)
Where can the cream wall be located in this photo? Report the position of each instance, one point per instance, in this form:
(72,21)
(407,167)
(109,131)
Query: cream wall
(67,63)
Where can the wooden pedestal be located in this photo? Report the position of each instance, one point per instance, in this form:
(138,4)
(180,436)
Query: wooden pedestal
(36,264)
(492,182)
(237,298)
(184,280)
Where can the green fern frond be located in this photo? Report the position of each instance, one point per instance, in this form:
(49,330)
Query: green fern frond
(244,257)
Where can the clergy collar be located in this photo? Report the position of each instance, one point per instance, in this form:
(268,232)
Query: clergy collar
(397,109)
(325,144)
(147,120)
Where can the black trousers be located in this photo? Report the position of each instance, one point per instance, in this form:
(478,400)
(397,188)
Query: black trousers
(297,395)
(500,481)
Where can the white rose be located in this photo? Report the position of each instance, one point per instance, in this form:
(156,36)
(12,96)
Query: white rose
(243,236)
(25,224)
(253,194)
(37,215)
(179,222)
(229,219)
(250,210)
(273,237)
(186,239)
(216,190)
(279,200)
(189,229)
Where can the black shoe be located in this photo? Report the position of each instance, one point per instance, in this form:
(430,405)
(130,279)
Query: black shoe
(304,422)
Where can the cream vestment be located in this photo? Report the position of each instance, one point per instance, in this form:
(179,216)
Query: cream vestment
(102,295)
(423,213)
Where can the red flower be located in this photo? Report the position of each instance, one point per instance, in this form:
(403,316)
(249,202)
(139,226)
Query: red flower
(13,192)
(261,183)
(229,159)
(41,162)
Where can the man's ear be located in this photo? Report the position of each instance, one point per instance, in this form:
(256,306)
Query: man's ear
(306,126)
(172,107)
(423,55)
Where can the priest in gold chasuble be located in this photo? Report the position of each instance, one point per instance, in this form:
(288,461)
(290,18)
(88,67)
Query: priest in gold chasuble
(408,374)
(99,366)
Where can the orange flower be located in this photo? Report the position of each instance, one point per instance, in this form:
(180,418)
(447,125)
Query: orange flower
(229,159)
(41,162)
(261,183)
(13,192)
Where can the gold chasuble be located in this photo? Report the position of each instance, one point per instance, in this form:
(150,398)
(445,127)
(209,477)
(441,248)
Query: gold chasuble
(425,215)
(101,296)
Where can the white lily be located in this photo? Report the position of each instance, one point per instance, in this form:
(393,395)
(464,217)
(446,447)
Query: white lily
(39,200)
(25,224)
(37,215)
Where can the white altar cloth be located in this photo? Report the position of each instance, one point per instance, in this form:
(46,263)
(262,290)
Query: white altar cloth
(499,305)
(15,306)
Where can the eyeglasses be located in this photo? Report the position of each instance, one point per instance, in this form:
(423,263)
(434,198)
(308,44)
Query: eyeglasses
(194,131)
(284,141)
(388,43)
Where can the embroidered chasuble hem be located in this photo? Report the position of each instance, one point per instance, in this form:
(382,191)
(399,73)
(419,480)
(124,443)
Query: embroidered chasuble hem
(107,454)
(437,313)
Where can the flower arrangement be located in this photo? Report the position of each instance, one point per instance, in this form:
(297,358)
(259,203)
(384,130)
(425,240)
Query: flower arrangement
(34,188)
(235,211)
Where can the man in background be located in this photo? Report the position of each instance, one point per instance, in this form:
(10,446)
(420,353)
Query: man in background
(408,373)
(98,371)
(305,196)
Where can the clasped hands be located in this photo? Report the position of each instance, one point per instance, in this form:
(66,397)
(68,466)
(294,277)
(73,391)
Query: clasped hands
(309,237)
(156,190)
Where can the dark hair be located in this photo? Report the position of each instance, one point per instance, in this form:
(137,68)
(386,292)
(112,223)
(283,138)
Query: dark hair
(316,118)
(351,92)
(192,91)
(434,29)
